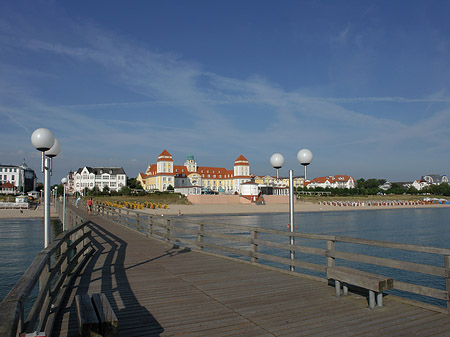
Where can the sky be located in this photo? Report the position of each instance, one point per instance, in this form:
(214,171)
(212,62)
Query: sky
(364,85)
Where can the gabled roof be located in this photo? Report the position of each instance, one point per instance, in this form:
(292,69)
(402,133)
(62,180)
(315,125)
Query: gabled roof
(103,170)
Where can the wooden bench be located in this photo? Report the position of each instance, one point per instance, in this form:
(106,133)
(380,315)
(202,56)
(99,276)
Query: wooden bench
(95,316)
(374,283)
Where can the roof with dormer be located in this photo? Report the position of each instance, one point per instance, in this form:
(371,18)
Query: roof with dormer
(102,170)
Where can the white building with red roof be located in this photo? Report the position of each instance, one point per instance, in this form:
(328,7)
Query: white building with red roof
(338,181)
(190,178)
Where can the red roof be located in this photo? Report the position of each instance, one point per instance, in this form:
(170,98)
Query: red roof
(7,185)
(165,156)
(241,160)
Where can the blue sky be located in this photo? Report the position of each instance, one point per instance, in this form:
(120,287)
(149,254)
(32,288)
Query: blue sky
(363,84)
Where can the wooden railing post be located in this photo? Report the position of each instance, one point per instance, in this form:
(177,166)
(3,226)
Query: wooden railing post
(138,227)
(201,229)
(447,279)
(150,225)
(254,245)
(120,216)
(330,259)
(168,231)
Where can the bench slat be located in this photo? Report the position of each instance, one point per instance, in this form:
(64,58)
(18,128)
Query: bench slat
(360,278)
(87,317)
(109,323)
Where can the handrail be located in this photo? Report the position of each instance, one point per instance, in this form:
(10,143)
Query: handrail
(226,239)
(53,269)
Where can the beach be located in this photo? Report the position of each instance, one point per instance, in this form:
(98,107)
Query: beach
(38,212)
(300,206)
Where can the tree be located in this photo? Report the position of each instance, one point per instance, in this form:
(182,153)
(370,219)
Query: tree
(133,183)
(125,190)
(106,189)
(170,188)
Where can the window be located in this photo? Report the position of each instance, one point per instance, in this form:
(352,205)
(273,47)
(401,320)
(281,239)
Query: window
(12,177)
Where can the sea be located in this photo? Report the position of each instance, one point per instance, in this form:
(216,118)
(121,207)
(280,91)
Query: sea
(22,239)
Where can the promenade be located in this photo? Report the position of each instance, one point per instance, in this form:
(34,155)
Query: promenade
(157,289)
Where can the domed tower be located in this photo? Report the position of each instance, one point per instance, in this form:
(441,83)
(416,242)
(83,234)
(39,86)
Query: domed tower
(190,163)
(164,163)
(241,173)
(241,167)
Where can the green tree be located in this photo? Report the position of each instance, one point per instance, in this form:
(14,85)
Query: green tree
(106,190)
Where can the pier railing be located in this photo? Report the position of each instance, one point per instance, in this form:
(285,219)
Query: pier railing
(36,298)
(421,271)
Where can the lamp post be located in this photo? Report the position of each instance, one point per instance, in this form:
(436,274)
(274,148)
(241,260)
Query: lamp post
(63,182)
(44,141)
(304,157)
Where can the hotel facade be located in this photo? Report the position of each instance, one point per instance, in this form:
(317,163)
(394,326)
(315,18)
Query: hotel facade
(190,178)
(114,178)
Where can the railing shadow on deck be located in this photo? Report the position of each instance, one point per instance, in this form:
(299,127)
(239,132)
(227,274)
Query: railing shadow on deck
(113,269)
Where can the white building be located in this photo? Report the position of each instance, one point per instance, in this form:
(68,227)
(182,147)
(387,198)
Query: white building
(435,179)
(420,184)
(89,177)
(21,177)
(338,181)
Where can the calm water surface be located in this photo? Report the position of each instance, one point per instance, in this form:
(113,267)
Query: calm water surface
(20,241)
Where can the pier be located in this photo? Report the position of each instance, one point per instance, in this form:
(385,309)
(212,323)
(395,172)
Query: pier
(162,280)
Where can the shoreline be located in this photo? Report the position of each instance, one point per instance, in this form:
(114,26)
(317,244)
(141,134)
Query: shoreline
(201,209)
(299,207)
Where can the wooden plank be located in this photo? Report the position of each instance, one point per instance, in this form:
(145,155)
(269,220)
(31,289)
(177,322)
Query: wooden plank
(360,278)
(162,291)
(109,324)
(87,318)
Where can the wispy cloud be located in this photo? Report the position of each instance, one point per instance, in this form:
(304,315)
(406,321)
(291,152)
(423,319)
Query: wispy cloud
(212,111)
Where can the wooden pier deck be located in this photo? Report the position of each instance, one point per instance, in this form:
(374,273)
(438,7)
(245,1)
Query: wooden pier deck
(157,289)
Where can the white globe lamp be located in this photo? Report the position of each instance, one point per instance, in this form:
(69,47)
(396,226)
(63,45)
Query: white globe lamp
(54,150)
(277,161)
(305,158)
(42,139)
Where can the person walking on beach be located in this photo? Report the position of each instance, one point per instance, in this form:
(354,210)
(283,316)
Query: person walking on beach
(90,204)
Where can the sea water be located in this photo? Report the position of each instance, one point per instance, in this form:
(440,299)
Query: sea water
(417,226)
(20,242)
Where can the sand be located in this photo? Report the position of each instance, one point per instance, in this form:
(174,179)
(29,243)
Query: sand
(172,210)
(268,208)
(26,213)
